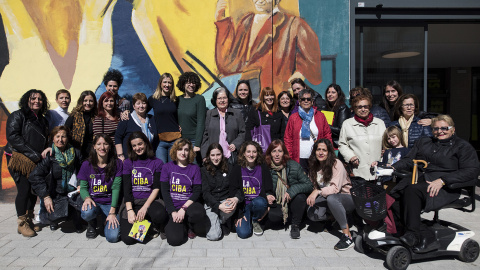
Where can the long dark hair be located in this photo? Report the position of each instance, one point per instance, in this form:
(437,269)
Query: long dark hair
(340,97)
(325,166)
(111,167)
(25,99)
(395,85)
(247,83)
(148,147)
(79,107)
(222,166)
(242,161)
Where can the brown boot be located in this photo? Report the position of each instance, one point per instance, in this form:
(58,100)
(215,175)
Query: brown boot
(24,226)
(31,216)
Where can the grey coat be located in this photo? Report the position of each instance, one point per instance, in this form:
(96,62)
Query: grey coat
(234,127)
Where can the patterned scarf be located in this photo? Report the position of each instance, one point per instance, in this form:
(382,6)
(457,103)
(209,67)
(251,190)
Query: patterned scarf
(307,118)
(281,189)
(66,162)
(405,125)
(78,130)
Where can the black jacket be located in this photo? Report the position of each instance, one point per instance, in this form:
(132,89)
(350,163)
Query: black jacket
(27,134)
(237,104)
(215,188)
(46,178)
(453,160)
(276,122)
(340,115)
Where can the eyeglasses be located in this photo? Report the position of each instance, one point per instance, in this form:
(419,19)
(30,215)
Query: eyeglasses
(222,98)
(442,128)
(306,99)
(359,107)
(408,105)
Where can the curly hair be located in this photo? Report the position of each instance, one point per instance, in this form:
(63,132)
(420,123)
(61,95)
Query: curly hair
(274,144)
(148,147)
(289,96)
(177,145)
(242,161)
(222,166)
(83,95)
(23,104)
(101,110)
(111,167)
(399,103)
(247,83)
(267,91)
(340,99)
(113,75)
(158,91)
(325,166)
(187,77)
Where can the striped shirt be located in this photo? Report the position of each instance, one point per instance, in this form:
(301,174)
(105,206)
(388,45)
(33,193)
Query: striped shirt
(109,127)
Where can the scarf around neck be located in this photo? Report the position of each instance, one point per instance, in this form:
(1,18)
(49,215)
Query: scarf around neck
(222,140)
(405,125)
(366,121)
(66,162)
(307,118)
(281,188)
(144,127)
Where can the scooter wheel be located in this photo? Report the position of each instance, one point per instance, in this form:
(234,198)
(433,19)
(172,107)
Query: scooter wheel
(398,258)
(469,251)
(361,246)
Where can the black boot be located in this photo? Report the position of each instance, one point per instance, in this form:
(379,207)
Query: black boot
(53,226)
(426,244)
(92,229)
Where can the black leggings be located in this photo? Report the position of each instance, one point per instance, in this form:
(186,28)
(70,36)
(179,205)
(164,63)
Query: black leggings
(25,200)
(296,209)
(156,213)
(195,217)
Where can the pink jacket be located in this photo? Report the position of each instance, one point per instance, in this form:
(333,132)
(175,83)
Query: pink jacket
(340,182)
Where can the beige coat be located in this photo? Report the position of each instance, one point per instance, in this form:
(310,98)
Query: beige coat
(364,142)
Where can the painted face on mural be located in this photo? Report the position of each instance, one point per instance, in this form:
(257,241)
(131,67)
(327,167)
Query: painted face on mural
(264,6)
(112,86)
(35,102)
(63,100)
(88,103)
(166,86)
(242,91)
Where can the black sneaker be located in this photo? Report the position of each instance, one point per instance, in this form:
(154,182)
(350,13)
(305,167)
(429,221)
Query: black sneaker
(92,230)
(344,243)
(225,230)
(294,231)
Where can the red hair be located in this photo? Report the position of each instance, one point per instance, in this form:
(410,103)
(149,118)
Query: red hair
(101,110)
(273,145)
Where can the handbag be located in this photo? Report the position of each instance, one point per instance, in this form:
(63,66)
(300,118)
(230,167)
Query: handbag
(60,209)
(232,160)
(261,134)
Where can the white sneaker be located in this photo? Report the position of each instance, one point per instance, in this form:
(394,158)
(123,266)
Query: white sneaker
(376,235)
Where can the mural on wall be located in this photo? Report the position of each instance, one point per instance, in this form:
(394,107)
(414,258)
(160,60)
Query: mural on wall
(51,45)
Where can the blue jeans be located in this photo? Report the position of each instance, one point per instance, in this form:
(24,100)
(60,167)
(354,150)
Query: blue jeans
(252,212)
(163,151)
(113,234)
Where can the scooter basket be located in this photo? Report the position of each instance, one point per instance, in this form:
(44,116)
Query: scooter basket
(370,201)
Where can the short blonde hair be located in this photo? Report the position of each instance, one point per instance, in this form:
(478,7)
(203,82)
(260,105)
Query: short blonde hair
(443,117)
(177,145)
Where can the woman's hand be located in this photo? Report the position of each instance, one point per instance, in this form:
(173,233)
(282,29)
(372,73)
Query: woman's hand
(141,213)
(312,197)
(232,147)
(231,204)
(196,149)
(270,199)
(220,11)
(375,163)
(47,151)
(239,221)
(112,221)
(425,122)
(48,204)
(124,115)
(434,187)
(287,197)
(178,216)
(354,161)
(121,157)
(131,216)
(87,204)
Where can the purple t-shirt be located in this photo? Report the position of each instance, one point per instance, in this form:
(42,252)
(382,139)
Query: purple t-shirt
(100,189)
(142,172)
(181,181)
(252,183)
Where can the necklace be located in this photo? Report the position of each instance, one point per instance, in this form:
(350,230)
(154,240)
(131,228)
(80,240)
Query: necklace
(163,99)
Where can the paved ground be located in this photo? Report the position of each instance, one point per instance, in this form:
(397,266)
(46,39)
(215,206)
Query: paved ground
(273,250)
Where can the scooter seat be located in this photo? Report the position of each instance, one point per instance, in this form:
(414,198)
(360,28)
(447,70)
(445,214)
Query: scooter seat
(459,203)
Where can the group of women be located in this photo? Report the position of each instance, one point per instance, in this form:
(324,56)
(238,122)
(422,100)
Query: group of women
(124,167)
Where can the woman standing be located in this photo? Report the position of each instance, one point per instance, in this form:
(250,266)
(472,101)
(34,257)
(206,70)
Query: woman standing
(223,125)
(106,121)
(59,167)
(331,190)
(252,188)
(243,98)
(391,92)
(266,113)
(336,104)
(80,122)
(139,120)
(191,109)
(407,111)
(291,186)
(360,141)
(215,189)
(285,104)
(27,132)
(164,104)
(100,182)
(181,186)
(141,187)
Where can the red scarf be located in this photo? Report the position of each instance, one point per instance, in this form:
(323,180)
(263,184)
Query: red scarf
(365,121)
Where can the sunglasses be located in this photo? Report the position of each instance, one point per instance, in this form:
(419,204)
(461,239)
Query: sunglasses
(359,107)
(442,128)
(306,99)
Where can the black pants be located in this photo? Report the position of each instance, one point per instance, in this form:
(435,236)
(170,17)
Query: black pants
(296,209)
(25,200)
(414,199)
(304,164)
(195,218)
(156,214)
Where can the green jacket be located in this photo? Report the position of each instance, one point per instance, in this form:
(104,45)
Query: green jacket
(297,180)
